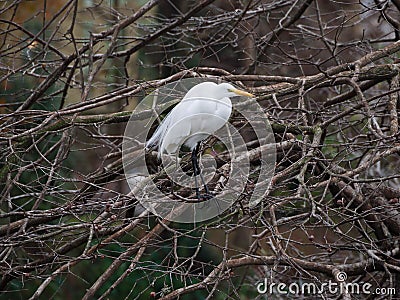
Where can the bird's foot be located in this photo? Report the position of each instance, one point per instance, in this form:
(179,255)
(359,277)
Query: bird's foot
(205,197)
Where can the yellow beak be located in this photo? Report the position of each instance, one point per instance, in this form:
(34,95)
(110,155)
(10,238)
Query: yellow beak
(242,93)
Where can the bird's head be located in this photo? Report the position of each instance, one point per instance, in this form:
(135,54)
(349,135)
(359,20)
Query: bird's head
(215,91)
(228,90)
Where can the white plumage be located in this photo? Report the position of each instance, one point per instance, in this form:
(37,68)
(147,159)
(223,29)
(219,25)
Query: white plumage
(204,109)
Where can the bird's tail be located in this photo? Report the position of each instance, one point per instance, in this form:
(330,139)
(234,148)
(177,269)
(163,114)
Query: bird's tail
(155,141)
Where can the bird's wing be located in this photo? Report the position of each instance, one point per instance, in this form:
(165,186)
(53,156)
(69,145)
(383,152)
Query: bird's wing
(178,129)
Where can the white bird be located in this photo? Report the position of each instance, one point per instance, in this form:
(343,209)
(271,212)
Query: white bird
(204,109)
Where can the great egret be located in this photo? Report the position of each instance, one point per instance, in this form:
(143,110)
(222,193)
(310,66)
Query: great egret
(204,109)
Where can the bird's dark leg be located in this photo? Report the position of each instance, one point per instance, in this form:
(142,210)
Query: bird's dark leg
(196,167)
(197,171)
